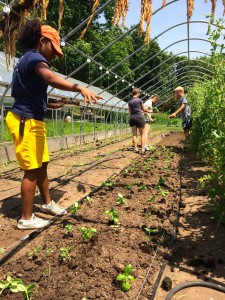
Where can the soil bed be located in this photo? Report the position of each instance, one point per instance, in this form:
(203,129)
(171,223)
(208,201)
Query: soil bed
(151,189)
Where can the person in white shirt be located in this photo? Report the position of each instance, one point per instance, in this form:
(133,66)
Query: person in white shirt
(148,105)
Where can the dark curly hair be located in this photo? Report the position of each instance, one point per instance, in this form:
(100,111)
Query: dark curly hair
(29,35)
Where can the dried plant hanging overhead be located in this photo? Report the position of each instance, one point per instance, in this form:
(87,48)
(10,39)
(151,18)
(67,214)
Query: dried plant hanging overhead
(94,8)
(121,9)
(190,7)
(163,3)
(61,10)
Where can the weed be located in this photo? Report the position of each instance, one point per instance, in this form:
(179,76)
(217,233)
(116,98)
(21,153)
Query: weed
(113,215)
(74,208)
(49,251)
(143,187)
(128,187)
(69,228)
(125,278)
(107,184)
(65,253)
(87,233)
(16,286)
(35,252)
(152,199)
(120,200)
(150,231)
(88,199)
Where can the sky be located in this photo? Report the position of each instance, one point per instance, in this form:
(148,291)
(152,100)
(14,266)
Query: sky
(173,14)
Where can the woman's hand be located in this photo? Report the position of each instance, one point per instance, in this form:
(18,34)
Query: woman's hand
(88,95)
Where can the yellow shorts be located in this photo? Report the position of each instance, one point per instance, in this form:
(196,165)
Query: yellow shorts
(31,149)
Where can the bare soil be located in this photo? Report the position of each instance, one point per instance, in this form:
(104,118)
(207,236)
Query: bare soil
(170,174)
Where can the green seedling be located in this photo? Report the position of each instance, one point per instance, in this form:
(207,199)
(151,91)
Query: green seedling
(120,200)
(161,181)
(152,199)
(74,208)
(150,231)
(113,215)
(87,233)
(128,187)
(149,215)
(163,193)
(107,184)
(49,251)
(16,286)
(69,228)
(2,250)
(143,187)
(65,253)
(35,252)
(203,180)
(88,199)
(126,278)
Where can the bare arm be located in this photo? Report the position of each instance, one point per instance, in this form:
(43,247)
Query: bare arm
(43,70)
(177,111)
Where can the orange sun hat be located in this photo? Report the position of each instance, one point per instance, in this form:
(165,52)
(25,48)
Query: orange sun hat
(50,33)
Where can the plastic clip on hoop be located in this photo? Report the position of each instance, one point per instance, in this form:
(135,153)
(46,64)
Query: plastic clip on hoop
(22,125)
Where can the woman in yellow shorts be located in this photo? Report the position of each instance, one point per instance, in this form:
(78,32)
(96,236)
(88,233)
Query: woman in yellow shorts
(31,78)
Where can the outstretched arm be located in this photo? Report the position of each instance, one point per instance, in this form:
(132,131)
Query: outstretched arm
(43,70)
(177,111)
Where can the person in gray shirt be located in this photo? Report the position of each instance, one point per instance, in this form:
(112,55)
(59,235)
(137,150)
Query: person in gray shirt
(185,111)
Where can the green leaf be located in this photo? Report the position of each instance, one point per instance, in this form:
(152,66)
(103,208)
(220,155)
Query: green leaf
(121,277)
(130,277)
(21,287)
(126,286)
(128,269)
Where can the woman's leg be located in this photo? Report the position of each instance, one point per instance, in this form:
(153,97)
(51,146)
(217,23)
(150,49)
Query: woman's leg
(31,179)
(43,184)
(142,131)
(28,187)
(134,132)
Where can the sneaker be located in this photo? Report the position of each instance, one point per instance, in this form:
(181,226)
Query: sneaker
(33,223)
(54,209)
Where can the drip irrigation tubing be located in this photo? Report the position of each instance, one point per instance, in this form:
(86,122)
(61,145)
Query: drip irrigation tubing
(22,242)
(156,252)
(57,157)
(67,180)
(190,284)
(161,271)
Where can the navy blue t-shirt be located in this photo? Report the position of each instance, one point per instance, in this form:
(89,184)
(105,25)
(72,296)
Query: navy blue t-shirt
(28,89)
(135,107)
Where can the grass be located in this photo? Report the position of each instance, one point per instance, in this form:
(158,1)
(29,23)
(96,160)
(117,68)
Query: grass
(58,128)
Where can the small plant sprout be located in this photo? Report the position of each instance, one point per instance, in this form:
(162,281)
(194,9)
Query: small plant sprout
(35,252)
(143,187)
(74,208)
(69,228)
(120,200)
(113,215)
(152,199)
(65,253)
(87,233)
(107,183)
(126,278)
(16,286)
(88,199)
(163,193)
(49,251)
(150,231)
(128,187)
(161,181)
(2,250)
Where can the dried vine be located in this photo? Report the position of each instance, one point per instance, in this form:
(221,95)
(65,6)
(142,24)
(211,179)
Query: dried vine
(190,8)
(121,10)
(61,10)
(94,8)
(163,3)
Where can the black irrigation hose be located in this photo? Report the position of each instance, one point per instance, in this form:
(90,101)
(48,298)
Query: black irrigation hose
(209,285)
(156,285)
(35,233)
